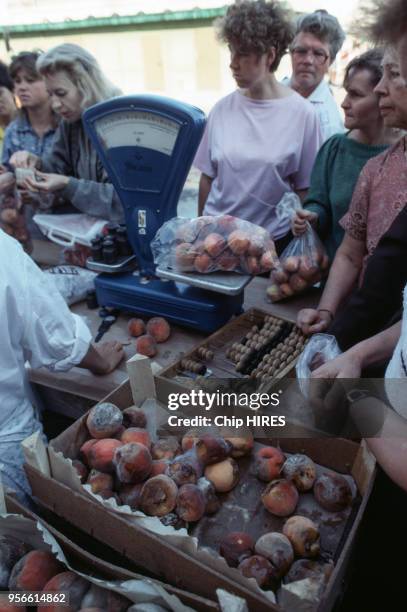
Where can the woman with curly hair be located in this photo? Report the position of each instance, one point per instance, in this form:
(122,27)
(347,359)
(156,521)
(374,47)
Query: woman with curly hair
(261,140)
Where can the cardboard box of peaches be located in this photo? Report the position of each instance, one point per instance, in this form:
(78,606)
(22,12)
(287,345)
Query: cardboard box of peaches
(271,521)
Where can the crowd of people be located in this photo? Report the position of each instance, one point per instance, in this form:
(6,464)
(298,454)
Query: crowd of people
(265,139)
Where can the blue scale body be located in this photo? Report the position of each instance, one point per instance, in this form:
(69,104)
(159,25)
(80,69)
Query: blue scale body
(147,159)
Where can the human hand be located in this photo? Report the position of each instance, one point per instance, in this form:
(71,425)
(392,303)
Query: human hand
(312,321)
(24,159)
(346,365)
(299,222)
(112,353)
(46,183)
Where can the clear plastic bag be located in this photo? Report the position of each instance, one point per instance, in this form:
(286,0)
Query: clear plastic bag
(214,244)
(72,282)
(303,262)
(318,350)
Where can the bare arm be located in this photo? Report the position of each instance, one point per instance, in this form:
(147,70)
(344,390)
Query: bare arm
(205,183)
(104,358)
(391,453)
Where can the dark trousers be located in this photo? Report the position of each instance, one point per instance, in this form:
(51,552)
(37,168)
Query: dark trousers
(378,303)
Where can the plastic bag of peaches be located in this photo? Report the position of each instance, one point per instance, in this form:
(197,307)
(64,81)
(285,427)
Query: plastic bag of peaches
(214,244)
(304,261)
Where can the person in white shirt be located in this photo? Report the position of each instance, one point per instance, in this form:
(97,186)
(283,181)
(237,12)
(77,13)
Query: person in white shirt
(317,41)
(36,326)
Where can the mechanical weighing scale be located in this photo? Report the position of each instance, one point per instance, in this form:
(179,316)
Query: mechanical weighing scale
(147,145)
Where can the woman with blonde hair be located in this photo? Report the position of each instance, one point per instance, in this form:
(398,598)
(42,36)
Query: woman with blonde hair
(72,170)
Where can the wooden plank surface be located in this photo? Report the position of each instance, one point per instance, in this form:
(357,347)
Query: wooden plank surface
(83,383)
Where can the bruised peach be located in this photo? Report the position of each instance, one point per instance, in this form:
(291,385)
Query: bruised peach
(259,568)
(190,503)
(241,445)
(211,449)
(185,468)
(301,470)
(235,547)
(203,263)
(159,466)
(146,345)
(224,475)
(214,244)
(212,503)
(158,496)
(104,420)
(277,549)
(165,448)
(136,327)
(280,497)
(159,329)
(132,462)
(101,454)
(33,571)
(81,470)
(190,438)
(99,481)
(332,492)
(11,550)
(136,434)
(239,242)
(85,450)
(184,256)
(268,463)
(130,495)
(134,417)
(67,582)
(303,535)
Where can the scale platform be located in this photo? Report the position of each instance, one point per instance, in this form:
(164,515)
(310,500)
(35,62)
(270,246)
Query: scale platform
(181,304)
(227,283)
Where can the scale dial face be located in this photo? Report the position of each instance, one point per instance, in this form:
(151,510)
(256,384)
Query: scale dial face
(134,128)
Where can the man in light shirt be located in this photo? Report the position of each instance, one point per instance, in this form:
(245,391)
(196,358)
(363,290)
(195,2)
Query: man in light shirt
(317,41)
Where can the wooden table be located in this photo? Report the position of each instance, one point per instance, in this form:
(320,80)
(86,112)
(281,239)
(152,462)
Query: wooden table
(84,384)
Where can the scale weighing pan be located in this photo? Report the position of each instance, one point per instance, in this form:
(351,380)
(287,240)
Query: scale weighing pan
(227,283)
(147,145)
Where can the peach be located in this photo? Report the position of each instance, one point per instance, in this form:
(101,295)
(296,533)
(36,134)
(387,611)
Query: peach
(212,503)
(81,470)
(252,265)
(235,547)
(11,550)
(190,503)
(308,568)
(136,327)
(308,269)
(119,433)
(132,462)
(239,242)
(224,475)
(159,329)
(301,470)
(214,244)
(84,451)
(332,492)
(273,293)
(259,568)
(146,345)
(104,420)
(130,495)
(280,276)
(212,449)
(277,549)
(226,223)
(203,263)
(33,571)
(286,290)
(158,496)
(268,463)
(159,466)
(267,261)
(101,454)
(136,434)
(257,244)
(95,598)
(190,438)
(303,535)
(185,468)
(134,417)
(227,261)
(166,448)
(291,264)
(297,283)
(184,256)
(280,497)
(241,445)
(99,481)
(68,582)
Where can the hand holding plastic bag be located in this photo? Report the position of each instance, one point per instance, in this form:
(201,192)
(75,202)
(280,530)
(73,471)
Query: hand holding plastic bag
(318,350)
(303,262)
